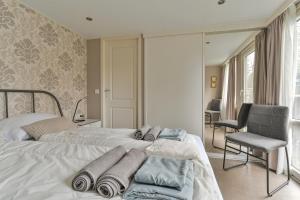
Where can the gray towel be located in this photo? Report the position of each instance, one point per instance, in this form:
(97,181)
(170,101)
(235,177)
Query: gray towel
(158,192)
(116,180)
(88,175)
(168,172)
(140,133)
(152,134)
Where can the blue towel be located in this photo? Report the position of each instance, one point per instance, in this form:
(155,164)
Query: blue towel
(162,182)
(164,172)
(173,134)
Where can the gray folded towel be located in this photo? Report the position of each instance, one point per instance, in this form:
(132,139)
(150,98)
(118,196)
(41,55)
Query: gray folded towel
(140,133)
(152,134)
(88,175)
(116,180)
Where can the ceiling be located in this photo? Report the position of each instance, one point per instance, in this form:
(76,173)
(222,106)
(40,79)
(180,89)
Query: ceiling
(222,46)
(128,17)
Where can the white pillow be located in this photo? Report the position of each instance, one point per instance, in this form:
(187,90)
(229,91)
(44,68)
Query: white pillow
(10,128)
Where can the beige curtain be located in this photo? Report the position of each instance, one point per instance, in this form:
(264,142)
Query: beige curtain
(260,69)
(230,103)
(268,57)
(268,69)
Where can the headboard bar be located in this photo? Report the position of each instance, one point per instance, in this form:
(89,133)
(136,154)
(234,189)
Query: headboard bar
(32,92)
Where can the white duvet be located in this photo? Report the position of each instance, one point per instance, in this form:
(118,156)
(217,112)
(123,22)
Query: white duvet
(97,136)
(44,170)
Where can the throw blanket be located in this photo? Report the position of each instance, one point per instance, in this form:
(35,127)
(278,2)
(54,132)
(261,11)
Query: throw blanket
(173,134)
(140,133)
(174,149)
(116,180)
(166,172)
(87,176)
(146,191)
(152,134)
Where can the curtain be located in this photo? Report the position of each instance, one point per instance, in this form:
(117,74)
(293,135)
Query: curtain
(230,104)
(274,48)
(274,70)
(288,74)
(224,91)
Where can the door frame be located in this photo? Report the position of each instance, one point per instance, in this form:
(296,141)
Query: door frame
(140,80)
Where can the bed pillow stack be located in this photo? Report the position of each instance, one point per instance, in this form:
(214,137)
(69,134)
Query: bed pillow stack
(149,133)
(162,178)
(111,173)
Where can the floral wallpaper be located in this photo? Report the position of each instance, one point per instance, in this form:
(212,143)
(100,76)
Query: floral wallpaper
(37,53)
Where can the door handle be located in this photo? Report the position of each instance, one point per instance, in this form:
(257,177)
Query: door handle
(107,90)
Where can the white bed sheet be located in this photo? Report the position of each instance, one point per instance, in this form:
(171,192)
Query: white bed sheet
(44,170)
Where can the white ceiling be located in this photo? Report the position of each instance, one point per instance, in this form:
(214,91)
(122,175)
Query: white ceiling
(222,46)
(127,17)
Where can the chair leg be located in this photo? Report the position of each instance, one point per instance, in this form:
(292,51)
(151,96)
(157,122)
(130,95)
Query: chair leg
(210,120)
(268,176)
(224,158)
(216,147)
(234,166)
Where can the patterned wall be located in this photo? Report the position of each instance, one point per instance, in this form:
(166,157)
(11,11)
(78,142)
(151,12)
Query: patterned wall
(37,53)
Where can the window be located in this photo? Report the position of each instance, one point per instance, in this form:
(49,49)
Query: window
(296,112)
(248,77)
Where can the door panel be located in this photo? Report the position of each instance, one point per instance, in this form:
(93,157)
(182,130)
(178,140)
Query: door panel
(120,88)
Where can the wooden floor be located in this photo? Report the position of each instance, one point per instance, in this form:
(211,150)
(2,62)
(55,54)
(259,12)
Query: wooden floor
(247,182)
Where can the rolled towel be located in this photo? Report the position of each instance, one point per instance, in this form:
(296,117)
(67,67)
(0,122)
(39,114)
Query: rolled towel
(88,175)
(152,134)
(140,133)
(116,180)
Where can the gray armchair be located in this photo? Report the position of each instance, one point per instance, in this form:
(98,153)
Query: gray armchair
(234,124)
(213,111)
(267,130)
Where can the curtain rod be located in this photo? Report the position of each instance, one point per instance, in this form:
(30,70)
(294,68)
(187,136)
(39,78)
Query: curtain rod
(235,31)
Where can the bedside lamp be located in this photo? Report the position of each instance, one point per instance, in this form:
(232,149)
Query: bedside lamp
(73,119)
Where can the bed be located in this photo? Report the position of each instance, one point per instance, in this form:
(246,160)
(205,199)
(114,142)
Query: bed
(44,169)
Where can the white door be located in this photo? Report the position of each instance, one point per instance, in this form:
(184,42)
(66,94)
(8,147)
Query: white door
(120,83)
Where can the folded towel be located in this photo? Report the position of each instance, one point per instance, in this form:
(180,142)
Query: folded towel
(174,149)
(87,176)
(161,171)
(116,180)
(140,133)
(146,191)
(173,134)
(152,134)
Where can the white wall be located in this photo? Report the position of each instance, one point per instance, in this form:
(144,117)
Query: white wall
(174,81)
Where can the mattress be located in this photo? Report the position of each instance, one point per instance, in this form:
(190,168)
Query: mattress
(44,170)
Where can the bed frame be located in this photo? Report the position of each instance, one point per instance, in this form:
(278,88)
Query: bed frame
(32,92)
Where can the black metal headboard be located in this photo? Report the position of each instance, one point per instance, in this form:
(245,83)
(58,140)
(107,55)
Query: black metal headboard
(32,92)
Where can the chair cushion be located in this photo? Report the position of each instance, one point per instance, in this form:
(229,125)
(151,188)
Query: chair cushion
(256,141)
(212,112)
(227,123)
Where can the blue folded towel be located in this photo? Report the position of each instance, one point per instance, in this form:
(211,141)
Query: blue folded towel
(162,179)
(173,134)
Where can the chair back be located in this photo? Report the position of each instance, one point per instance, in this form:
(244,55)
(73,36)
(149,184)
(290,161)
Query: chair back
(269,121)
(243,115)
(215,105)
